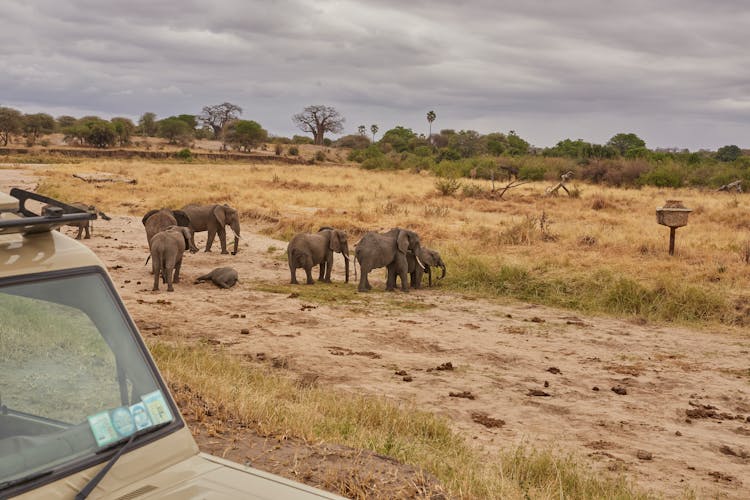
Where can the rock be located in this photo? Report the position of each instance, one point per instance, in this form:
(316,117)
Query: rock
(245,331)
(618,389)
(644,455)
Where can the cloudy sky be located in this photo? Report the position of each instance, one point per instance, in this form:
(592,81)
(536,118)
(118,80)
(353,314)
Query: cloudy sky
(675,72)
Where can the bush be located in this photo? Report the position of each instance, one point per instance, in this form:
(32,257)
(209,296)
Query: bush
(293,151)
(532,173)
(447,186)
(378,163)
(184,154)
(354,141)
(320,156)
(663,176)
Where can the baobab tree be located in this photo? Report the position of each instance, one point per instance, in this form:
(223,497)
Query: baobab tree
(374,130)
(318,120)
(219,115)
(430,118)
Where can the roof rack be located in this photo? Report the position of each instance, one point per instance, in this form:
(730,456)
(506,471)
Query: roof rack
(56,215)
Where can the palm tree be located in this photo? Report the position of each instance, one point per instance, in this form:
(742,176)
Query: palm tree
(430,118)
(374,130)
(362,130)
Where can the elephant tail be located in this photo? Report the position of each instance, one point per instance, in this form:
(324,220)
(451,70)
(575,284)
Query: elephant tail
(355,266)
(147,259)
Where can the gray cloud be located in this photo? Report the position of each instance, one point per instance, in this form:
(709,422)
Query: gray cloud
(675,72)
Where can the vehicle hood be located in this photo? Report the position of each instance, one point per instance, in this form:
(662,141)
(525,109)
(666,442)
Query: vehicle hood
(207,477)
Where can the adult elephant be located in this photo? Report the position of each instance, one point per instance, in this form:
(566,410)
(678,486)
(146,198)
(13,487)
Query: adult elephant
(429,259)
(84,225)
(306,250)
(167,248)
(388,250)
(214,218)
(158,220)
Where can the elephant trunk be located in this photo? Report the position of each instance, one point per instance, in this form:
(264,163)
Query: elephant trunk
(236,244)
(235,226)
(346,267)
(442,266)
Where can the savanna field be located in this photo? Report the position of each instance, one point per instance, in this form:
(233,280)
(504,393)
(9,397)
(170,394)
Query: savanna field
(566,295)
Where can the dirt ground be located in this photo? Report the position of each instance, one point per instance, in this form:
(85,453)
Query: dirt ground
(668,406)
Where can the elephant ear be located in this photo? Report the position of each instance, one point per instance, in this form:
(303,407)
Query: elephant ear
(402,240)
(181,217)
(220,214)
(334,242)
(148,214)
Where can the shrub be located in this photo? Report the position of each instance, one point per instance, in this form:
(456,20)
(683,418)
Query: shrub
(378,163)
(447,186)
(293,151)
(532,173)
(663,176)
(320,156)
(184,154)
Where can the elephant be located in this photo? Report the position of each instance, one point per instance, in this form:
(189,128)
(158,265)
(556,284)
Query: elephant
(223,277)
(158,220)
(386,250)
(84,225)
(167,248)
(306,250)
(213,218)
(429,258)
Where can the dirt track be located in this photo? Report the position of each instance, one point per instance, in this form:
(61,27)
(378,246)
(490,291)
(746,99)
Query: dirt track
(669,406)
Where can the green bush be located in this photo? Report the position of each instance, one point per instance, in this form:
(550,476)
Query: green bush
(447,186)
(532,172)
(663,176)
(184,154)
(293,151)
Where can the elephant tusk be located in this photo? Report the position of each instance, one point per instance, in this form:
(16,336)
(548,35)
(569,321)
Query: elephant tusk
(419,261)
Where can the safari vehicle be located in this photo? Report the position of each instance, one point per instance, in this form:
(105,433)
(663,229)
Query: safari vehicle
(83,409)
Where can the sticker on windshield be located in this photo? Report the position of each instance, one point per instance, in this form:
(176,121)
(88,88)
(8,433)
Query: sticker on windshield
(140,416)
(157,407)
(101,426)
(122,421)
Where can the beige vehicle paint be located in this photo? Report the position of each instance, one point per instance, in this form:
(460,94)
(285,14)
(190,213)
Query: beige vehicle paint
(159,461)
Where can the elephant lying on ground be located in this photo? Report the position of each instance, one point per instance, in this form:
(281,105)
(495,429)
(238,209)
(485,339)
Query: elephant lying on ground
(223,277)
(306,250)
(167,248)
(388,250)
(158,220)
(84,225)
(214,218)
(429,258)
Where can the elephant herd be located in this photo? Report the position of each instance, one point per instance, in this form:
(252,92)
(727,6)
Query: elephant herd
(170,232)
(398,250)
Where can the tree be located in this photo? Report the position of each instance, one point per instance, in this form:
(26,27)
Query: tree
(728,153)
(623,142)
(36,125)
(191,120)
(65,121)
(147,124)
(219,115)
(124,129)
(516,145)
(362,130)
(430,118)
(318,120)
(11,123)
(245,134)
(400,138)
(374,130)
(174,130)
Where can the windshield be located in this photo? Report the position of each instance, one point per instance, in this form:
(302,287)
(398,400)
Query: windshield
(73,378)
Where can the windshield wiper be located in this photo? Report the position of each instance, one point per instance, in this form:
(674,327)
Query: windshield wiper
(24,479)
(86,491)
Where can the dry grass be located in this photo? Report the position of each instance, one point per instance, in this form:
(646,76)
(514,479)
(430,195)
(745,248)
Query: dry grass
(258,397)
(557,255)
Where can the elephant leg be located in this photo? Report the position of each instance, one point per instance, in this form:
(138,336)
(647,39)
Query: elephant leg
(80,230)
(87,229)
(168,272)
(308,272)
(390,282)
(401,268)
(418,274)
(157,273)
(429,275)
(177,267)
(363,284)
(293,272)
(328,263)
(210,239)
(223,239)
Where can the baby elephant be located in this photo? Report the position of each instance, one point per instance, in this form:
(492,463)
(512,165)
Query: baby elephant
(223,277)
(429,259)
(167,248)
